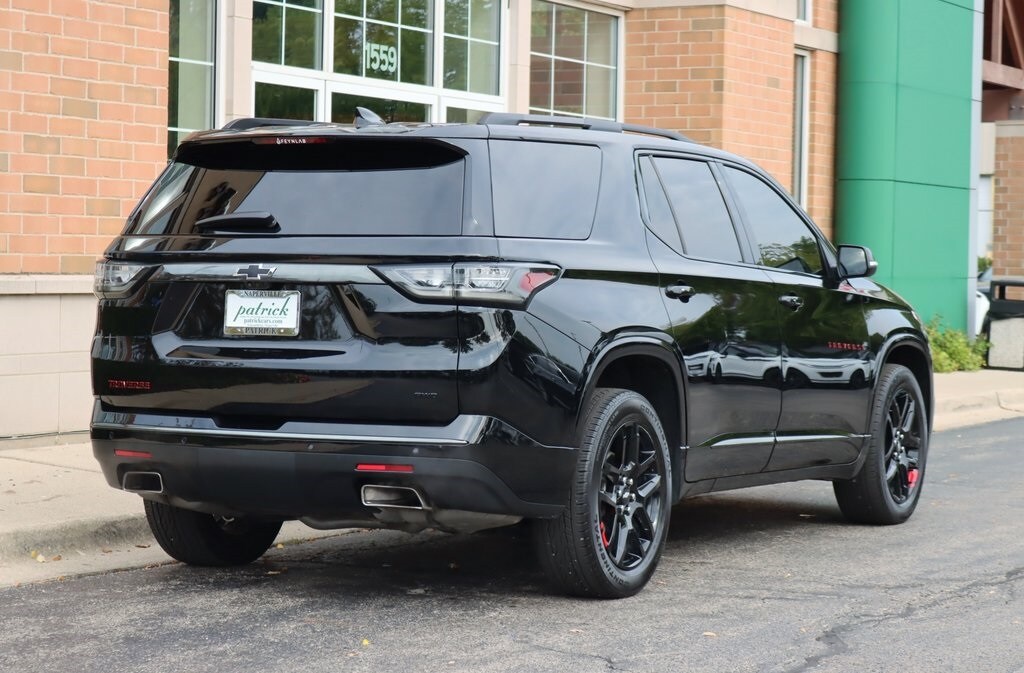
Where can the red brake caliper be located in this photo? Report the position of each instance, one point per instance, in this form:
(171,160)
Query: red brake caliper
(912,477)
(604,537)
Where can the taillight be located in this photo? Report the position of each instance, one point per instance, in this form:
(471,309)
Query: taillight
(505,283)
(115,279)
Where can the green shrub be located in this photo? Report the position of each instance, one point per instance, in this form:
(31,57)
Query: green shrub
(952,351)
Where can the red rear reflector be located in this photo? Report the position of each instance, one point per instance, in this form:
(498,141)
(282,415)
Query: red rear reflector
(382,467)
(124,453)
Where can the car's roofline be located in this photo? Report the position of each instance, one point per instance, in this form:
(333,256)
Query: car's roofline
(508,126)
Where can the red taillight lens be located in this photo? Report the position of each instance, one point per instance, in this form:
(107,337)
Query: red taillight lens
(504,284)
(125,453)
(382,467)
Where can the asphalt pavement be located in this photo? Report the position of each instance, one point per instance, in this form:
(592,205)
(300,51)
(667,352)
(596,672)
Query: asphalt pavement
(760,580)
(59,518)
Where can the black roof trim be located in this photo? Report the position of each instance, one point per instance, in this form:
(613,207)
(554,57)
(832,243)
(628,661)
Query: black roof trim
(585,123)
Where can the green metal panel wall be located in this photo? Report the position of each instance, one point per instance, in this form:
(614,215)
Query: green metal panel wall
(903,156)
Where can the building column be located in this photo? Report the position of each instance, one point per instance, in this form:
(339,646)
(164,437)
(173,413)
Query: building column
(905,162)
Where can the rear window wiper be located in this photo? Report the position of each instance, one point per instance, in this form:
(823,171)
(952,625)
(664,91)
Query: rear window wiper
(256,221)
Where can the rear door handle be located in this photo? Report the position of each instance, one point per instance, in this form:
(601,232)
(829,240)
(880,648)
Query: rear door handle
(680,292)
(791,301)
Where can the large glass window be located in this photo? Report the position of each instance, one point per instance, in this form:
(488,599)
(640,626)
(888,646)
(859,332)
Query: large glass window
(343,109)
(384,39)
(412,60)
(287,32)
(471,45)
(190,90)
(573,57)
(285,102)
(783,239)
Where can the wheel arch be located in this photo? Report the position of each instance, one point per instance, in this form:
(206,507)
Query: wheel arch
(649,367)
(915,356)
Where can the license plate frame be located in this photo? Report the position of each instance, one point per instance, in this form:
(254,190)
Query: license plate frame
(262,312)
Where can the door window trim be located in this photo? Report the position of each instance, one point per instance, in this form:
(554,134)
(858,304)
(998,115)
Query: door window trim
(823,243)
(746,249)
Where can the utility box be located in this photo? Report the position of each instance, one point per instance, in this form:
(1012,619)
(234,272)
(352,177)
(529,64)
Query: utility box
(1006,326)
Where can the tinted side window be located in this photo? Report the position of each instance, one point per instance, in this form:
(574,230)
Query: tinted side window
(659,212)
(700,210)
(544,190)
(783,240)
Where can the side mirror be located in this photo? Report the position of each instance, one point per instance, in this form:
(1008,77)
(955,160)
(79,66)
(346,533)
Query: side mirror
(856,261)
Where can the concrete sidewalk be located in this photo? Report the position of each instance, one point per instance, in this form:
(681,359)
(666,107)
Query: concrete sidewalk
(55,504)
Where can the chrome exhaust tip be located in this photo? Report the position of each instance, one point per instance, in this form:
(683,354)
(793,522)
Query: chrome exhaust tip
(142,482)
(400,497)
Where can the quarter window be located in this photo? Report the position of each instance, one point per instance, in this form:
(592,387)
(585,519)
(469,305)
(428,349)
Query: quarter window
(781,237)
(699,209)
(659,212)
(544,190)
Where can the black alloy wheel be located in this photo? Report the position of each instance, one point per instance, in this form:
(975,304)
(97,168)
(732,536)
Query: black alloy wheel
(629,499)
(888,487)
(607,542)
(902,446)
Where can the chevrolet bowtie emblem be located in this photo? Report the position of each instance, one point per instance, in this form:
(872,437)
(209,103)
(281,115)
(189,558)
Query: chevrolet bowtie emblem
(255,272)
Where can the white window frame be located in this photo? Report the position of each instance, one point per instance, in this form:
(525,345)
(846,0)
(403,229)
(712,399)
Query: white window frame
(802,131)
(620,50)
(328,82)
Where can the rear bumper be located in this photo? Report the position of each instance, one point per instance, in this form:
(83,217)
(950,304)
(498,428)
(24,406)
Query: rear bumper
(309,470)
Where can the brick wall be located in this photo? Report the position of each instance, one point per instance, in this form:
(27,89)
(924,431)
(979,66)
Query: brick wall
(758,119)
(83,117)
(826,15)
(1008,209)
(675,76)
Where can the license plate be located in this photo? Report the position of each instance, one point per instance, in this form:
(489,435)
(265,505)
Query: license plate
(261,312)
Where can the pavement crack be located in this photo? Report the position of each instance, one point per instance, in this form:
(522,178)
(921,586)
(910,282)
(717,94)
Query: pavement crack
(608,661)
(833,637)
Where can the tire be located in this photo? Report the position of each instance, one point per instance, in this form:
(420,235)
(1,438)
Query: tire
(607,542)
(202,539)
(887,488)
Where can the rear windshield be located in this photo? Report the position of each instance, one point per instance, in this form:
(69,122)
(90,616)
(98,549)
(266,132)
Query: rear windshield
(345,188)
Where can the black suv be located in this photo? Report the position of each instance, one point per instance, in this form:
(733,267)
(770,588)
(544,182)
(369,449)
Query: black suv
(463,326)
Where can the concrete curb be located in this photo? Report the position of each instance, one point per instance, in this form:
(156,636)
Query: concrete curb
(1009,400)
(70,537)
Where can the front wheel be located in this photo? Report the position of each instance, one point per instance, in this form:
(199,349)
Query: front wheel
(206,540)
(608,541)
(888,486)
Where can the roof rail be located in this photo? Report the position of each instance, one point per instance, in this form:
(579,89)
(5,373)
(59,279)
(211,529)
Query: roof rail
(586,123)
(246,123)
